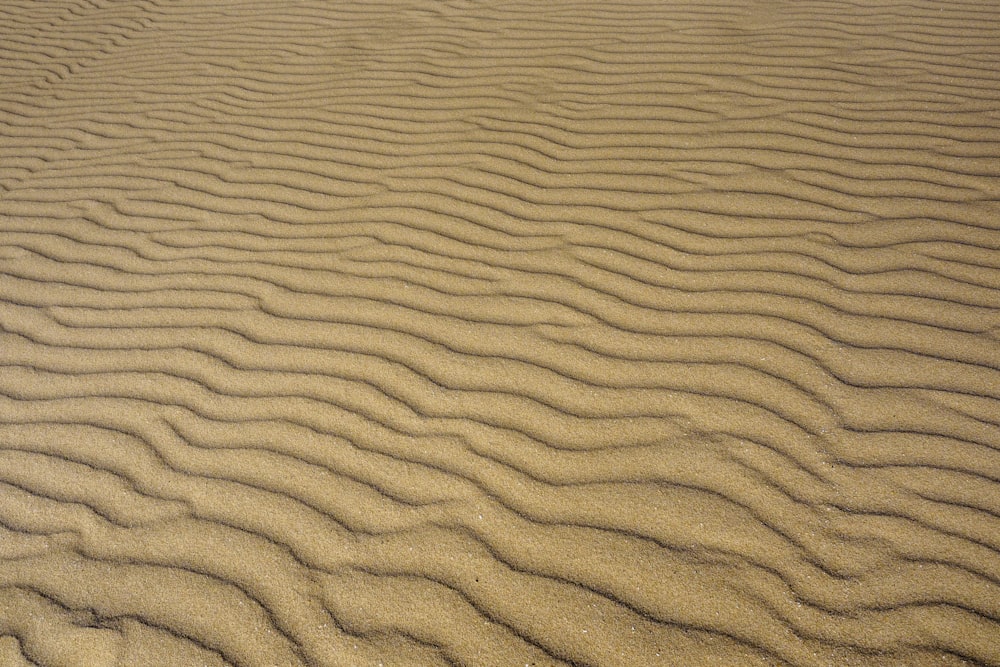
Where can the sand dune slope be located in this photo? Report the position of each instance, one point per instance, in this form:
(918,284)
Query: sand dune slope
(499,333)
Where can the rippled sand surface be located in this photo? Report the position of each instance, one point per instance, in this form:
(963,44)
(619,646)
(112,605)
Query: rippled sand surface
(480,333)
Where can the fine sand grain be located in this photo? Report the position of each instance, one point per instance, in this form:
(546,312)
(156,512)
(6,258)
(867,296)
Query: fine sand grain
(487,333)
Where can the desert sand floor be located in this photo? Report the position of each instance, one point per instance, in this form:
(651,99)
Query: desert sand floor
(471,332)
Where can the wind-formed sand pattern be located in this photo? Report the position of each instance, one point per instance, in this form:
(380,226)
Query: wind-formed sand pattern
(499,333)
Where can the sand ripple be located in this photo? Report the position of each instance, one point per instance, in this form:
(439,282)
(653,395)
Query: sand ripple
(488,333)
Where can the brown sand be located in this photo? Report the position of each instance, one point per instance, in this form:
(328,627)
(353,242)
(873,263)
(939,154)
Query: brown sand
(499,333)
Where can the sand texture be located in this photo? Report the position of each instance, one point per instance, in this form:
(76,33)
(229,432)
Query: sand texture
(488,333)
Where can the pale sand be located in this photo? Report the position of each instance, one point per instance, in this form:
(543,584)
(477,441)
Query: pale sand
(493,333)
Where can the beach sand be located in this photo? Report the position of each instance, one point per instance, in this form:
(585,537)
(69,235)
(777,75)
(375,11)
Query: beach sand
(482,333)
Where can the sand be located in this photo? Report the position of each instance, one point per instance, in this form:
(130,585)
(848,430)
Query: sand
(499,333)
